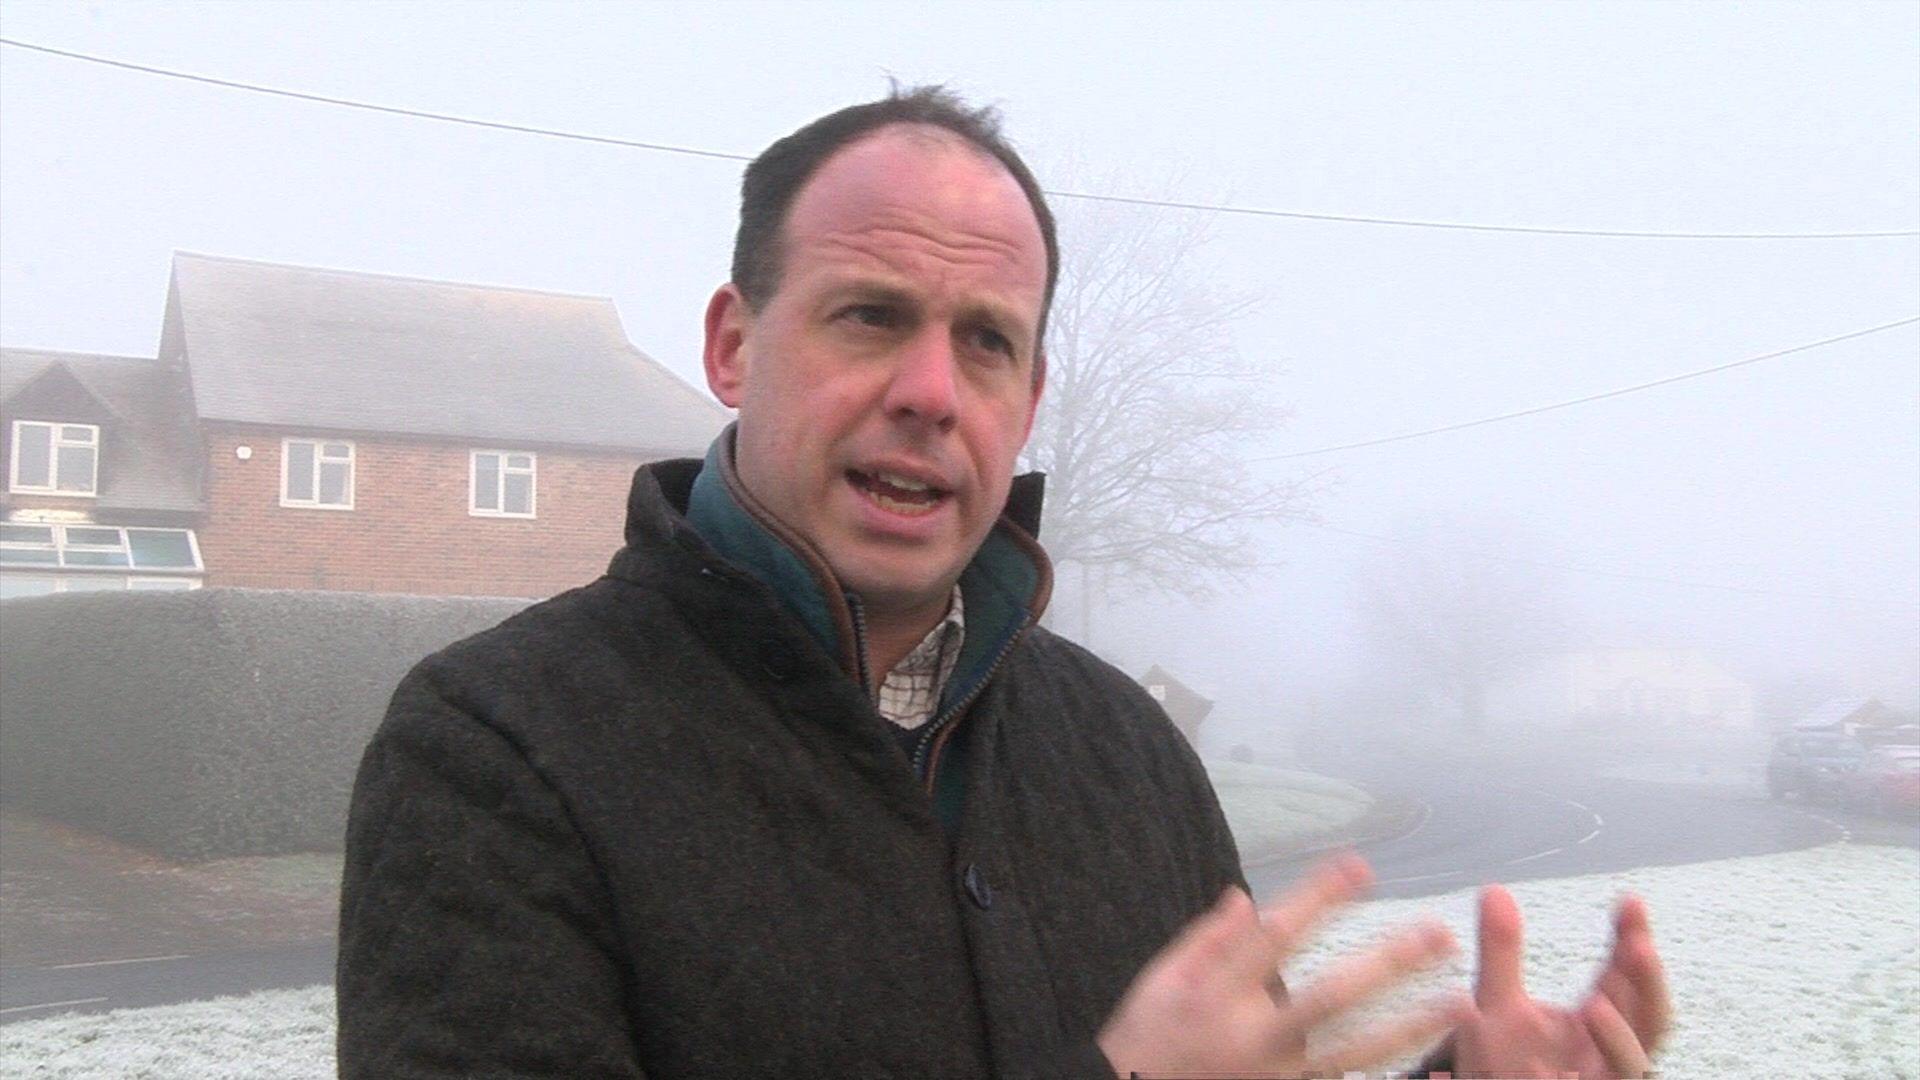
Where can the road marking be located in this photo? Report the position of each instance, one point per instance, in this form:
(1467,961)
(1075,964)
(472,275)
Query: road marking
(1535,855)
(1598,824)
(110,963)
(53,1005)
(1420,877)
(1426,813)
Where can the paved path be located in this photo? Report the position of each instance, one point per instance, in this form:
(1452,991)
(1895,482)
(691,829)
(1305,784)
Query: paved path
(87,924)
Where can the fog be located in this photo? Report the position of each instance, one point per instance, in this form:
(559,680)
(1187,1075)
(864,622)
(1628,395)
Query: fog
(1797,479)
(1765,517)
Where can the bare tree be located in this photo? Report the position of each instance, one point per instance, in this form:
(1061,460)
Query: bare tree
(1148,406)
(1444,623)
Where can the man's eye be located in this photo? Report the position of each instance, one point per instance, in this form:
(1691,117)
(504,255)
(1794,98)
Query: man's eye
(875,315)
(993,341)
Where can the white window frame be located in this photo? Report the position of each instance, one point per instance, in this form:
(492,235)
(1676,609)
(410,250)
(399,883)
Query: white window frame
(353,456)
(532,473)
(60,545)
(147,583)
(54,442)
(63,580)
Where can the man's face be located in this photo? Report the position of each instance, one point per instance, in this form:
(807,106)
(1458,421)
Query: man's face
(887,386)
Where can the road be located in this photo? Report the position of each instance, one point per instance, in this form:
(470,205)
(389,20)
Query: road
(29,993)
(1553,820)
(1474,825)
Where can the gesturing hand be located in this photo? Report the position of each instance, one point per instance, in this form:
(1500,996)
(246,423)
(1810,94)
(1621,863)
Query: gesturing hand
(1613,1033)
(1207,1003)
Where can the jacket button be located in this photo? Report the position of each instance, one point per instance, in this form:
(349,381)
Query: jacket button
(777,661)
(978,890)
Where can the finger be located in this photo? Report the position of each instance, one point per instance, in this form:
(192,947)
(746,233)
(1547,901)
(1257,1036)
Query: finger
(1358,978)
(1397,1038)
(1637,983)
(1498,978)
(1216,937)
(1615,1038)
(1330,883)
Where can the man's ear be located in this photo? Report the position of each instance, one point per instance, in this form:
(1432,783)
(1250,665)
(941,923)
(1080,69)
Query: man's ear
(1039,389)
(724,355)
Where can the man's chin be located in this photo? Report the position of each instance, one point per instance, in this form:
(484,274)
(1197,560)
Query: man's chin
(898,594)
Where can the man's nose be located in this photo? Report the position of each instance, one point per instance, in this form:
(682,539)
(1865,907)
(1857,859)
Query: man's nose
(924,388)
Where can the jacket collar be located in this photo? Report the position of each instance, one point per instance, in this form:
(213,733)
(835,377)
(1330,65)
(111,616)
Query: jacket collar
(1005,586)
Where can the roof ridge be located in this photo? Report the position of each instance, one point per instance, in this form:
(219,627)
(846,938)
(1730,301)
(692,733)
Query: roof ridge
(682,382)
(178,253)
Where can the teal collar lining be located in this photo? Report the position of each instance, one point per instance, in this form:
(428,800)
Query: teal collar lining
(1005,587)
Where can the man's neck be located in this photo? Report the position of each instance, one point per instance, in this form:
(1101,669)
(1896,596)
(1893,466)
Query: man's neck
(892,634)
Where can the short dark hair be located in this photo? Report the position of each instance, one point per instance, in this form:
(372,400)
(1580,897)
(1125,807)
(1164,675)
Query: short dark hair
(775,178)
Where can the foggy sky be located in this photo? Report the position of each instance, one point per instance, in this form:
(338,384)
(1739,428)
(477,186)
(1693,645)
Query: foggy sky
(1800,475)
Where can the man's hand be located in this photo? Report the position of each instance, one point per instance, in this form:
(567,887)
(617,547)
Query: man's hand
(1613,1033)
(1206,1004)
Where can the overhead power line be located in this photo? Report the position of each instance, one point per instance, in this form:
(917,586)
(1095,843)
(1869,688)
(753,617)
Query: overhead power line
(1538,409)
(1407,223)
(391,110)
(1645,578)
(1166,204)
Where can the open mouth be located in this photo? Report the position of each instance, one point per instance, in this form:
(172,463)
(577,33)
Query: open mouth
(896,493)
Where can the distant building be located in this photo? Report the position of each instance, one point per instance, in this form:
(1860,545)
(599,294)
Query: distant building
(1673,689)
(1866,719)
(309,428)
(1183,705)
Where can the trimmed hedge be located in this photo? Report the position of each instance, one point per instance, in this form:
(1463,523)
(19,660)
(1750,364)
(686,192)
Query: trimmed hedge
(208,723)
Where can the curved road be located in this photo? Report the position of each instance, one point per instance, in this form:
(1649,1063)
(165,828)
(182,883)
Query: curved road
(1474,825)
(1479,825)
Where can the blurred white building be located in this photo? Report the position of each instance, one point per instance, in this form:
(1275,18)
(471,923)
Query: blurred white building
(1667,689)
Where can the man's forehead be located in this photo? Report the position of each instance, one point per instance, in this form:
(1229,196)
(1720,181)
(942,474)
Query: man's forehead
(915,178)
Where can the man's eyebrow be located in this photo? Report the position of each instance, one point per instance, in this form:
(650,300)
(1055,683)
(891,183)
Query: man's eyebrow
(874,291)
(1001,317)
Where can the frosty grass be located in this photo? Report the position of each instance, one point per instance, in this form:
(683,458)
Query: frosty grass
(1805,963)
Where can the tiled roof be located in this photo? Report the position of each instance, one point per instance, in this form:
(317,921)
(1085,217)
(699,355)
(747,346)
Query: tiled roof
(302,347)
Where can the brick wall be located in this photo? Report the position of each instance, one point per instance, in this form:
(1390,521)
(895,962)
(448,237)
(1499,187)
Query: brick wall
(409,530)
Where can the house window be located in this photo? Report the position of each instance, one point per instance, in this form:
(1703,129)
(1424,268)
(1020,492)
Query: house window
(502,484)
(55,459)
(36,559)
(316,473)
(28,545)
(99,546)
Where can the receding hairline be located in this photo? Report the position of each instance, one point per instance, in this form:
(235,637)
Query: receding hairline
(923,134)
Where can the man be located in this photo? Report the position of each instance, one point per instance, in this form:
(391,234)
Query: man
(800,788)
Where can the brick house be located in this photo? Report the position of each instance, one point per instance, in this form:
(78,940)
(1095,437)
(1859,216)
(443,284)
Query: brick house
(309,428)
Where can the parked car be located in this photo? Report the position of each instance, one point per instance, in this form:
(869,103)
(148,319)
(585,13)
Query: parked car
(1887,781)
(1812,764)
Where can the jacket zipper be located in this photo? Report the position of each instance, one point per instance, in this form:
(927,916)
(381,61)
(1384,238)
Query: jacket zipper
(859,643)
(924,750)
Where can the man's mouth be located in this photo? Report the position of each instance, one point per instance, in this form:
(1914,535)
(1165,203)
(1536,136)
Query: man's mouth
(896,493)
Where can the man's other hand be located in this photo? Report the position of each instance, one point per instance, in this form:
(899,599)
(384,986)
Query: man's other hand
(1209,1003)
(1613,1033)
